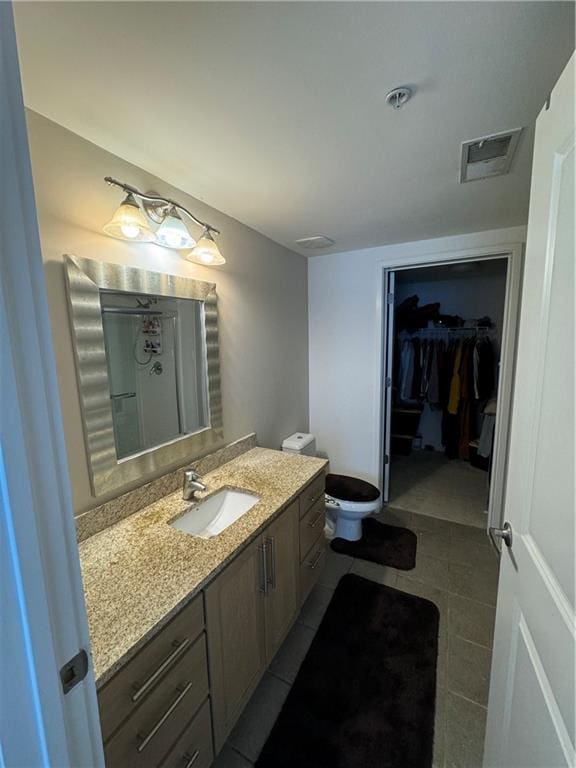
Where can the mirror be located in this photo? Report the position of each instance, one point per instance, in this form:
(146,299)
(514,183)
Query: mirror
(146,349)
(156,359)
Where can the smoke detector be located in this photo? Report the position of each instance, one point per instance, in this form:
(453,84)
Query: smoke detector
(488,156)
(315,243)
(399,96)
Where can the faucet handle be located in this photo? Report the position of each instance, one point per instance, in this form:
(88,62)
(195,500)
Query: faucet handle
(191,474)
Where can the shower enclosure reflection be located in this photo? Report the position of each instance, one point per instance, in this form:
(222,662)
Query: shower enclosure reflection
(155,356)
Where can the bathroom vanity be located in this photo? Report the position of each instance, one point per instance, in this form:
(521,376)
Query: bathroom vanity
(187,603)
(182,627)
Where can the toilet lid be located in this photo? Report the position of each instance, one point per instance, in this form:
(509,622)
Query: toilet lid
(350,488)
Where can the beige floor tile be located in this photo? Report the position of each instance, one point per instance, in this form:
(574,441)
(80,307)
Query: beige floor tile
(409,501)
(292,652)
(468,669)
(464,737)
(471,533)
(433,524)
(439,597)
(471,620)
(428,592)
(476,583)
(336,566)
(315,606)
(428,483)
(375,572)
(456,509)
(431,571)
(433,544)
(442,660)
(472,553)
(253,728)
(439,728)
(392,516)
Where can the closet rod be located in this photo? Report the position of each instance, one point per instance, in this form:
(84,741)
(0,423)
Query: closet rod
(449,330)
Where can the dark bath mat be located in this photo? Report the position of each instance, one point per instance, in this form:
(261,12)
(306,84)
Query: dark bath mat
(381,543)
(364,696)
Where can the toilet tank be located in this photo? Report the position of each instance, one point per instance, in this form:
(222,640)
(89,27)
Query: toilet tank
(300,442)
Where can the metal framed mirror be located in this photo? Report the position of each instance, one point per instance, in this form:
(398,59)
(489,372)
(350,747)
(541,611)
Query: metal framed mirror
(147,361)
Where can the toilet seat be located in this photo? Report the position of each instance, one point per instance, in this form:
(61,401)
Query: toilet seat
(350,489)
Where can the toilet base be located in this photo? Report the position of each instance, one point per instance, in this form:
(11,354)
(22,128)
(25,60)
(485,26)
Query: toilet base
(351,530)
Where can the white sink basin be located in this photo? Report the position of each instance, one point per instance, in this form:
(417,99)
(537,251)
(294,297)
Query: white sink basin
(211,517)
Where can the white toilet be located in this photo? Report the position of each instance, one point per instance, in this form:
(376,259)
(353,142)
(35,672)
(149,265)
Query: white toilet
(348,499)
(300,442)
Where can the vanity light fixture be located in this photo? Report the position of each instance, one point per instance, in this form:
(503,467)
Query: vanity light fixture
(132,222)
(129,222)
(173,233)
(206,251)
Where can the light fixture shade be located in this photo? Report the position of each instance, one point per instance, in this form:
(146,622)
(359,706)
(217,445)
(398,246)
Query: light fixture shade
(129,223)
(206,252)
(173,233)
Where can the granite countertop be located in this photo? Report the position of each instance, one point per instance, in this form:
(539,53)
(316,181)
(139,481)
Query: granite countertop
(140,572)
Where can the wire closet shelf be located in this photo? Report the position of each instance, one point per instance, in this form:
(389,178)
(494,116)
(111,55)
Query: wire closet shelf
(470,330)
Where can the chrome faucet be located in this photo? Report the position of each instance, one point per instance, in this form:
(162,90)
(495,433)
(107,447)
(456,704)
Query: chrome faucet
(192,483)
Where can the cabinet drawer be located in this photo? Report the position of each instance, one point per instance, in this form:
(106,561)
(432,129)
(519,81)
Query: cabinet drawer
(129,688)
(311,526)
(194,748)
(312,567)
(149,734)
(311,493)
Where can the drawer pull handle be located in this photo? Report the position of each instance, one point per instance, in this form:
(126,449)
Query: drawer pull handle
(147,739)
(191,760)
(314,563)
(319,516)
(168,661)
(263,549)
(272,543)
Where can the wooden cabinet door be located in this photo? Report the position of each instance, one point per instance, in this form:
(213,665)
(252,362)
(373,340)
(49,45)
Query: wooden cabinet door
(236,640)
(281,542)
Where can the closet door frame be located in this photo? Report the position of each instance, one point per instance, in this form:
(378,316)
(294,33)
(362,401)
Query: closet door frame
(513,253)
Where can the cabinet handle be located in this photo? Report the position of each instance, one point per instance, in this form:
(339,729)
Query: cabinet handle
(264,585)
(313,563)
(272,561)
(168,661)
(319,516)
(147,739)
(191,760)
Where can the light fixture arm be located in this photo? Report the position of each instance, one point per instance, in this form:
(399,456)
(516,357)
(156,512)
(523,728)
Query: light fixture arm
(129,189)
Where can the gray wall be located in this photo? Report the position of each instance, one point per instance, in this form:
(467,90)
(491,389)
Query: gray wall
(262,292)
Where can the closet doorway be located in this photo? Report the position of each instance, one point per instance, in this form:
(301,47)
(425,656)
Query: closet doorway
(450,331)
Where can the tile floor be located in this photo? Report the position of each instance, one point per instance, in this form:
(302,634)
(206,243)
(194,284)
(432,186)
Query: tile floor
(428,483)
(458,571)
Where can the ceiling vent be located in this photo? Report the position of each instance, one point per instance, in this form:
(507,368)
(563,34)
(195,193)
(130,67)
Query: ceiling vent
(488,156)
(314,243)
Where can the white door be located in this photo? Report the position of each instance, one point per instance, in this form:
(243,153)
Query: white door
(388,379)
(531,712)
(43,621)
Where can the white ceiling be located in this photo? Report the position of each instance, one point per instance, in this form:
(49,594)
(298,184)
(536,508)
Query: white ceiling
(275,113)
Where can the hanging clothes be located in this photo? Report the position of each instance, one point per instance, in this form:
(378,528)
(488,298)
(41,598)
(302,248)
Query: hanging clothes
(406,370)
(454,398)
(484,366)
(415,391)
(433,392)
(466,384)
(455,377)
(487,432)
